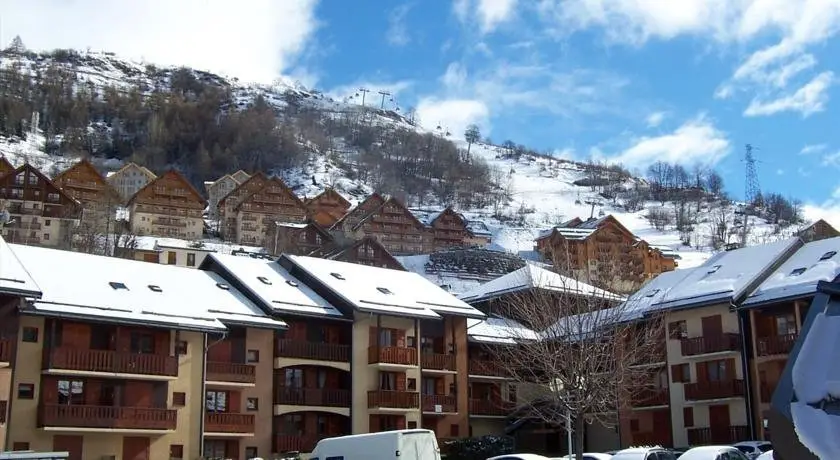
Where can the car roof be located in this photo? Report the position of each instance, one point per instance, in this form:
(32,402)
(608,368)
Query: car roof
(522,456)
(751,443)
(695,451)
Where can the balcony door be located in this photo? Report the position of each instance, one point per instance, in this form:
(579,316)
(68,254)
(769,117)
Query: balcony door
(712,326)
(217,401)
(721,370)
(719,423)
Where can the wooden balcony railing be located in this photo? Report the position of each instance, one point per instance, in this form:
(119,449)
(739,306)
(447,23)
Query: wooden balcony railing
(298,442)
(107,417)
(227,422)
(437,361)
(711,344)
(700,391)
(3,405)
(495,408)
(326,397)
(446,403)
(486,368)
(231,372)
(776,344)
(718,435)
(6,346)
(112,361)
(393,399)
(313,350)
(392,355)
(650,397)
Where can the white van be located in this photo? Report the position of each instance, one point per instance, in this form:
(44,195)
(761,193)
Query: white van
(385,445)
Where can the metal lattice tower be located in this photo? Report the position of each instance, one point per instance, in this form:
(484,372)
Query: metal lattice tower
(752,193)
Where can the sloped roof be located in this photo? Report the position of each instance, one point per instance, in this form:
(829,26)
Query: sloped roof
(14,279)
(170,175)
(5,166)
(87,166)
(656,290)
(798,276)
(496,329)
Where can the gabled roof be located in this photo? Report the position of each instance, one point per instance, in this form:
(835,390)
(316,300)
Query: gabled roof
(729,276)
(273,181)
(655,291)
(85,166)
(380,290)
(533,277)
(55,188)
(5,166)
(269,283)
(249,185)
(329,192)
(110,289)
(496,329)
(577,229)
(798,276)
(240,176)
(209,185)
(142,169)
(373,201)
(337,249)
(378,209)
(14,279)
(170,175)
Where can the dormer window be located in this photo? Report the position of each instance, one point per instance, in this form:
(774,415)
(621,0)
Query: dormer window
(117,285)
(652,293)
(384,290)
(155,288)
(264,280)
(337,276)
(292,283)
(223,286)
(828,255)
(713,269)
(798,271)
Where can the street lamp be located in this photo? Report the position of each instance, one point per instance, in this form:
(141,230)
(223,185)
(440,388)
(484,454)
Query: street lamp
(558,388)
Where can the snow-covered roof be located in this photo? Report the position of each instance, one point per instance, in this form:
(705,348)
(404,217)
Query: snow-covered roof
(111,289)
(381,290)
(798,276)
(14,279)
(727,276)
(532,276)
(478,228)
(498,330)
(154,243)
(655,291)
(278,290)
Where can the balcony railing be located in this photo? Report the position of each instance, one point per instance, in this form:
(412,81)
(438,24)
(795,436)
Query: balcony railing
(651,397)
(437,361)
(776,345)
(714,390)
(6,346)
(112,361)
(393,399)
(711,344)
(313,350)
(227,422)
(231,372)
(494,408)
(722,435)
(392,355)
(326,397)
(108,417)
(297,442)
(487,368)
(446,403)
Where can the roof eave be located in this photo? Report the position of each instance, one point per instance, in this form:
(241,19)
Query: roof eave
(31,311)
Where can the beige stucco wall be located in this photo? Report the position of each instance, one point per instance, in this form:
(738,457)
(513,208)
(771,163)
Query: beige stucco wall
(142,224)
(181,256)
(25,225)
(263,341)
(5,395)
(128,181)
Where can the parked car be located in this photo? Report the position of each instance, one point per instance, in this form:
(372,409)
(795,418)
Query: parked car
(752,449)
(586,456)
(385,445)
(519,457)
(644,453)
(713,453)
(766,456)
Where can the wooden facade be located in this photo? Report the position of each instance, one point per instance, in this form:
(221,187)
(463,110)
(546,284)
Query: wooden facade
(5,166)
(327,208)
(220,188)
(819,230)
(366,251)
(98,198)
(393,225)
(168,206)
(295,238)
(41,212)
(449,229)
(355,215)
(273,202)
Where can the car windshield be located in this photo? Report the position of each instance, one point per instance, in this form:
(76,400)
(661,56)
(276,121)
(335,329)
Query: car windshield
(745,449)
(765,447)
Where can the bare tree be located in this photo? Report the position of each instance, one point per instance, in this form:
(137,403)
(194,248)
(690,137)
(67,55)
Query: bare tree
(471,135)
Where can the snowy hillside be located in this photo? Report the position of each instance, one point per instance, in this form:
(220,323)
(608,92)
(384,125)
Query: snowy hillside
(542,191)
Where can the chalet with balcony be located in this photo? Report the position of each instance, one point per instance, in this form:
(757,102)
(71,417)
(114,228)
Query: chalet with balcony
(774,314)
(449,229)
(98,198)
(604,251)
(296,238)
(818,230)
(130,179)
(220,188)
(42,213)
(256,204)
(327,208)
(111,360)
(366,251)
(390,222)
(228,204)
(5,166)
(168,206)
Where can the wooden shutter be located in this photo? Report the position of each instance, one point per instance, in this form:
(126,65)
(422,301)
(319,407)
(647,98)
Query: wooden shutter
(400,422)
(332,379)
(401,381)
(676,373)
(234,401)
(374,423)
(439,387)
(730,369)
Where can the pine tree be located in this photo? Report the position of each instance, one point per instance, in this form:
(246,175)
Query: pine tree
(17,46)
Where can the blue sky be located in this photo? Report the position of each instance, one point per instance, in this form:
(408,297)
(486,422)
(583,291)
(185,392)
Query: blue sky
(632,81)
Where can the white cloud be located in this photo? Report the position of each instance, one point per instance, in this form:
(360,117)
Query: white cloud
(251,39)
(489,13)
(655,119)
(697,141)
(397,34)
(455,76)
(831,159)
(813,148)
(828,210)
(453,115)
(780,172)
(807,100)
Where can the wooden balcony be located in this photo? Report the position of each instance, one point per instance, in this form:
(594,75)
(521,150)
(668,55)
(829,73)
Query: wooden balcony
(298,443)
(379,399)
(650,397)
(775,345)
(721,436)
(438,362)
(491,408)
(107,417)
(170,223)
(231,372)
(392,355)
(227,422)
(720,389)
(6,347)
(486,368)
(112,362)
(313,350)
(439,403)
(326,397)
(711,344)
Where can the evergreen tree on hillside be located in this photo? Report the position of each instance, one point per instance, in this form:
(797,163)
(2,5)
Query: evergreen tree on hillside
(16,46)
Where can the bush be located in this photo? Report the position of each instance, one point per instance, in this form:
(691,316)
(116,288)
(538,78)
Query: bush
(479,448)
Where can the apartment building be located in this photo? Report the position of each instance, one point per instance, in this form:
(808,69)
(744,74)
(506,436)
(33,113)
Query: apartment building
(251,208)
(126,360)
(184,253)
(41,212)
(98,198)
(327,207)
(390,222)
(819,230)
(448,228)
(366,251)
(129,179)
(220,188)
(297,238)
(167,206)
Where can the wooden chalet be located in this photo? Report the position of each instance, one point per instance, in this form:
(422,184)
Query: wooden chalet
(228,204)
(370,204)
(327,208)
(396,228)
(240,176)
(273,202)
(5,166)
(85,184)
(41,212)
(168,206)
(603,252)
(449,229)
(819,230)
(296,238)
(366,251)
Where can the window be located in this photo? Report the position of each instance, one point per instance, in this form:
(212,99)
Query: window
(71,392)
(223,286)
(46,236)
(26,391)
(828,255)
(181,347)
(386,338)
(321,424)
(293,424)
(294,378)
(30,334)
(142,343)
(716,371)
(47,223)
(292,283)
(176,451)
(428,386)
(252,404)
(412,384)
(179,398)
(786,324)
(798,271)
(713,269)
(264,280)
(677,330)
(680,373)
(387,381)
(412,425)
(322,378)
(253,356)
(155,288)
(190,259)
(216,401)
(117,285)
(384,290)
(688,417)
(337,276)
(251,452)
(171,257)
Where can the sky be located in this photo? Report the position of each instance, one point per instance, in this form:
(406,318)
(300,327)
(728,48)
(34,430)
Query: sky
(629,81)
